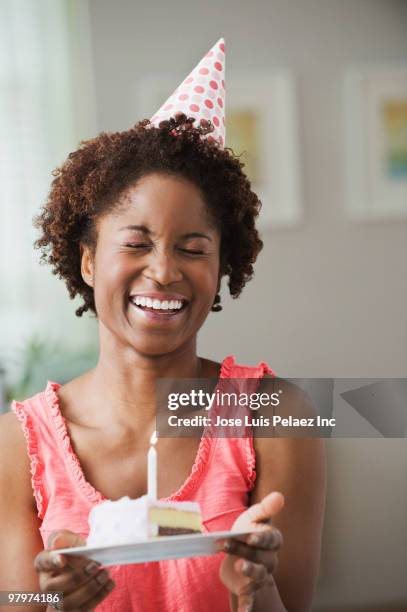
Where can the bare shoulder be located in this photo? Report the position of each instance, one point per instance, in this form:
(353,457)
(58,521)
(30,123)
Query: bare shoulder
(14,460)
(11,434)
(291,395)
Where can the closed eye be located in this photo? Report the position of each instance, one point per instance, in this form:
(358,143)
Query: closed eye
(142,245)
(137,245)
(192,252)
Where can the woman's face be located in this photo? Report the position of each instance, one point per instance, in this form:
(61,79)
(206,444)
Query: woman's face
(155,271)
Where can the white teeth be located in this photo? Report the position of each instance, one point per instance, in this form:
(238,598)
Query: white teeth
(157,304)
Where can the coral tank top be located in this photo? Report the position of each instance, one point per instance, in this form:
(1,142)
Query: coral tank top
(221,478)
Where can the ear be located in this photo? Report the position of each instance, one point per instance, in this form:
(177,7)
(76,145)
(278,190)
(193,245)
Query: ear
(87,264)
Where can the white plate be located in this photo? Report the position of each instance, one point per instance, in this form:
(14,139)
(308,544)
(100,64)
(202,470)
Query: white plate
(168,547)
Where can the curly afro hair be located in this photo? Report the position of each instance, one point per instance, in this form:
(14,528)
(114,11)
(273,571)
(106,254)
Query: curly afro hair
(92,179)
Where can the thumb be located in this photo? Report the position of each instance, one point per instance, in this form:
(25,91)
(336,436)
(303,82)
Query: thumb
(65,539)
(269,505)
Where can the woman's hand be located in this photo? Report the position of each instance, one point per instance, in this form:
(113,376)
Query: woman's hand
(252,560)
(83,582)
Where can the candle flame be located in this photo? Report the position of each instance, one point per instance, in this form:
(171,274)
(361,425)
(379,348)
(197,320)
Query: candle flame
(153,439)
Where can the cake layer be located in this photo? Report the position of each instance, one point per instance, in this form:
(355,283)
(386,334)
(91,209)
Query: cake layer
(175,517)
(174,531)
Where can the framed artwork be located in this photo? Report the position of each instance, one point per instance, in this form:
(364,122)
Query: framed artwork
(376,142)
(261,127)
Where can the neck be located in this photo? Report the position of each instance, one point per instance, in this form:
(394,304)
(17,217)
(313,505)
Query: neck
(123,384)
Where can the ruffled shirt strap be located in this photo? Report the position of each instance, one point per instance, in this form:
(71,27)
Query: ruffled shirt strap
(231,369)
(247,379)
(65,445)
(28,423)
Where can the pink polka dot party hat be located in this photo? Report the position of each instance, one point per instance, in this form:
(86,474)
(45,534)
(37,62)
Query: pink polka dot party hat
(201,95)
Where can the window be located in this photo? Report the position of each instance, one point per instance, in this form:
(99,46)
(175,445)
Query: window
(44,67)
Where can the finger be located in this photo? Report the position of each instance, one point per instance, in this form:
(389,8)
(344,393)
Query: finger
(50,561)
(245,603)
(257,572)
(268,558)
(72,579)
(267,539)
(87,592)
(245,595)
(268,507)
(257,554)
(63,538)
(46,562)
(73,561)
(257,577)
(92,603)
(51,538)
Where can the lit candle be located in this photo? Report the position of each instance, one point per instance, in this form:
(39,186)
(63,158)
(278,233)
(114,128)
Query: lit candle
(152,468)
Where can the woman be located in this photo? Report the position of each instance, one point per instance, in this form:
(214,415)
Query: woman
(159,213)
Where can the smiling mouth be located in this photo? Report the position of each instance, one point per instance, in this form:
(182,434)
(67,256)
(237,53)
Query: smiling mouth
(166,308)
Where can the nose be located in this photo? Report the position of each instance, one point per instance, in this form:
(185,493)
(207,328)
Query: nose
(162,268)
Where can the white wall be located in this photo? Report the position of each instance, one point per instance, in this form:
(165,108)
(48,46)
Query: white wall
(329,297)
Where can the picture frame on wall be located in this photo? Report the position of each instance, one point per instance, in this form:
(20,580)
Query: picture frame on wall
(376,142)
(261,128)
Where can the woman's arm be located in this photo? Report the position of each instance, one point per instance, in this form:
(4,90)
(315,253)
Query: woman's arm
(20,539)
(296,468)
(24,565)
(281,577)
(262,575)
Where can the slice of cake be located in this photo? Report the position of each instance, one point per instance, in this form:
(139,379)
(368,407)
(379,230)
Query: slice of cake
(174,518)
(131,520)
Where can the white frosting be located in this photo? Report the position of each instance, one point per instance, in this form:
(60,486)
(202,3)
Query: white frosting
(118,522)
(126,520)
